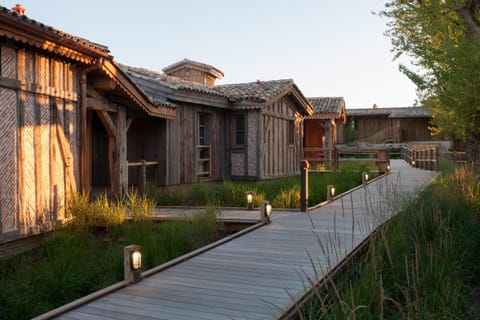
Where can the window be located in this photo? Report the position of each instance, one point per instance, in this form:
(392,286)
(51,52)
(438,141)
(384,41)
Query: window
(203,146)
(239,131)
(291,131)
(203,128)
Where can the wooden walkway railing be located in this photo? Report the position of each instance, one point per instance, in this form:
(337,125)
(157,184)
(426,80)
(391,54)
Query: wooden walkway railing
(334,156)
(428,156)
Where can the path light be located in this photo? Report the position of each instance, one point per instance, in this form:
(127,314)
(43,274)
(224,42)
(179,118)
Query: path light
(413,163)
(265,212)
(364,178)
(250,200)
(330,192)
(132,263)
(388,168)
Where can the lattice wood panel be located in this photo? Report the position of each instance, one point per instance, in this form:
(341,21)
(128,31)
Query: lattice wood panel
(42,73)
(8,159)
(9,63)
(42,147)
(58,174)
(27,162)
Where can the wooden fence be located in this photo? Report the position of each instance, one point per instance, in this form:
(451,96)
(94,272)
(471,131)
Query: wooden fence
(142,172)
(428,156)
(333,156)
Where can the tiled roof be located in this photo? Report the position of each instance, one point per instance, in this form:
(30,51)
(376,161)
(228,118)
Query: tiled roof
(211,69)
(67,39)
(258,91)
(160,78)
(327,104)
(404,112)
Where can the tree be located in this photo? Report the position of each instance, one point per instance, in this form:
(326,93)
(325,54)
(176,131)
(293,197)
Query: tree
(443,39)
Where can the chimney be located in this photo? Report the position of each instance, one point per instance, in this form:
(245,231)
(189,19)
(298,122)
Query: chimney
(19,9)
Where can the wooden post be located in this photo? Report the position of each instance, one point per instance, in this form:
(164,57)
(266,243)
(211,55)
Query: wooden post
(383,159)
(335,159)
(143,176)
(437,159)
(304,165)
(120,156)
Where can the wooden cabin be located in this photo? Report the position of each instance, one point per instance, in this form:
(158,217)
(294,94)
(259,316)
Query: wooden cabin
(388,125)
(266,128)
(65,111)
(321,127)
(245,131)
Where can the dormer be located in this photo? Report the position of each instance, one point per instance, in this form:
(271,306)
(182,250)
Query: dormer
(194,71)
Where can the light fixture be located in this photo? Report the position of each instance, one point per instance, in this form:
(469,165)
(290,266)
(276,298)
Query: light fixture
(268,209)
(136,260)
(388,168)
(364,178)
(265,212)
(250,200)
(330,192)
(132,259)
(413,163)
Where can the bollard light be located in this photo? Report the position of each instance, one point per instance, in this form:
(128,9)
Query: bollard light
(136,260)
(265,212)
(250,200)
(268,209)
(132,258)
(364,178)
(388,168)
(330,192)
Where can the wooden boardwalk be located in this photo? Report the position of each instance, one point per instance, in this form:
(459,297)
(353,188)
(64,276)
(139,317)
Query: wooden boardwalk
(255,275)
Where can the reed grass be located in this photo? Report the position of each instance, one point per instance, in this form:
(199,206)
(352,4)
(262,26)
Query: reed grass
(424,264)
(87,255)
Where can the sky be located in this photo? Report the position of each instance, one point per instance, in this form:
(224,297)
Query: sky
(329,48)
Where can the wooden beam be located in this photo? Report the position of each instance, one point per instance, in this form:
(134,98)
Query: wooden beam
(107,122)
(96,104)
(104,84)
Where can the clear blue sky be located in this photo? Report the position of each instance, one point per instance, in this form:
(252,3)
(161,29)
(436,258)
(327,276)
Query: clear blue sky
(329,48)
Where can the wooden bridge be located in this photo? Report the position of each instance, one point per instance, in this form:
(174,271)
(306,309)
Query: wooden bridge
(261,274)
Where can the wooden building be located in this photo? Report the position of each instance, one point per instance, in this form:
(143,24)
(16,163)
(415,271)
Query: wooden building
(248,131)
(322,126)
(65,110)
(388,125)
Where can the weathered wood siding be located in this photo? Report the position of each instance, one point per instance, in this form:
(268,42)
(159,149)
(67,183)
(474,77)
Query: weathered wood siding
(277,156)
(182,140)
(409,129)
(38,140)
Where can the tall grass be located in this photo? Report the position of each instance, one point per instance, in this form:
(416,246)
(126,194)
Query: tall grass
(282,193)
(87,255)
(425,264)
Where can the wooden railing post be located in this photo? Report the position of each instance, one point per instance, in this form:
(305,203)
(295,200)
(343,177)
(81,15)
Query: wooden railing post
(437,159)
(304,165)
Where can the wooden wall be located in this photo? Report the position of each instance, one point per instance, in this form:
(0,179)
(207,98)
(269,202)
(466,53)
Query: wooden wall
(277,157)
(410,129)
(181,151)
(39,137)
